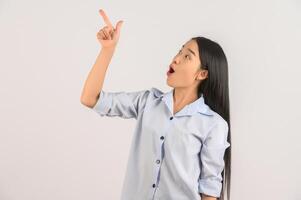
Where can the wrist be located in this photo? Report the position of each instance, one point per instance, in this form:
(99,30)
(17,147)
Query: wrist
(112,48)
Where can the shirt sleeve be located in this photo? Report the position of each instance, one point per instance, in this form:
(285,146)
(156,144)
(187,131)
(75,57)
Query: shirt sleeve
(212,159)
(122,104)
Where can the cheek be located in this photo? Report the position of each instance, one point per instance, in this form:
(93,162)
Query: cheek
(185,76)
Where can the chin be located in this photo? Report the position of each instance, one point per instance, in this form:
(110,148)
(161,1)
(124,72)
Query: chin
(170,84)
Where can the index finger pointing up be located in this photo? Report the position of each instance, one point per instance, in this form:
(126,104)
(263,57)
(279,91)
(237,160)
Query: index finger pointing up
(105,18)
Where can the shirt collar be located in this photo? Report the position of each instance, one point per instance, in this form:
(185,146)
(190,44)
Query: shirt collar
(198,105)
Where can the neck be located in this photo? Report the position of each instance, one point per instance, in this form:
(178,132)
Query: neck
(184,96)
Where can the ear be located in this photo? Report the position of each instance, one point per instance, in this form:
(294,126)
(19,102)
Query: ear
(202,74)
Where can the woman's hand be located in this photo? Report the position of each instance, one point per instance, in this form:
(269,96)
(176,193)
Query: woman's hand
(207,197)
(108,36)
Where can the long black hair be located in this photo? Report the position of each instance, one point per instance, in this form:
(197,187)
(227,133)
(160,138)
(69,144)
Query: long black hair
(216,94)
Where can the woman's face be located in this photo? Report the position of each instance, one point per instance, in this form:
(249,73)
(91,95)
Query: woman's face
(186,66)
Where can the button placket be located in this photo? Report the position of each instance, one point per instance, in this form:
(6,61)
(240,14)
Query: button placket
(158,161)
(158,166)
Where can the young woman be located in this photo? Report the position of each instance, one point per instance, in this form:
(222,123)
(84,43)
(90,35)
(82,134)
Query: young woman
(181,144)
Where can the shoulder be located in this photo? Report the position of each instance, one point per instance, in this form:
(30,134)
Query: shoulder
(218,129)
(156,92)
(211,120)
(208,120)
(218,120)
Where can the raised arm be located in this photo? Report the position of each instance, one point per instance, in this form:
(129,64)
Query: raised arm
(108,37)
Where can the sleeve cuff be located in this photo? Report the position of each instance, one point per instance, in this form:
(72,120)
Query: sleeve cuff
(103,103)
(210,187)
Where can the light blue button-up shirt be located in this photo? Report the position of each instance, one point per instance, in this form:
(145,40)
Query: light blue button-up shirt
(172,156)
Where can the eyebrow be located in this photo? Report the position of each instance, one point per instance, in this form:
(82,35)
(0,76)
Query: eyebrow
(190,51)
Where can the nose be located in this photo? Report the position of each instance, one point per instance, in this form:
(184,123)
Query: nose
(176,60)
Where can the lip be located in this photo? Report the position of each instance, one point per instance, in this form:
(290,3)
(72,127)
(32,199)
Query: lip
(169,73)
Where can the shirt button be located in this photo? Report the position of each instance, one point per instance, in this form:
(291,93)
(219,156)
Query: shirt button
(158,161)
(154,185)
(171,118)
(162,137)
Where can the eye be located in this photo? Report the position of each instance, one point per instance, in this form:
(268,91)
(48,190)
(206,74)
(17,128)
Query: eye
(180,51)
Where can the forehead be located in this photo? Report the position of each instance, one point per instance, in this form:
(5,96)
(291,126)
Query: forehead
(191,44)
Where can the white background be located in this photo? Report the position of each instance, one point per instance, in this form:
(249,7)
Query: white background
(53,147)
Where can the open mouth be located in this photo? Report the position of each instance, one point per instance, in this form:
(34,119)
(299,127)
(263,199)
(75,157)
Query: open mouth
(171,70)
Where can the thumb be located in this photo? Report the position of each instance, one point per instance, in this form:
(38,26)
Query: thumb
(118,28)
